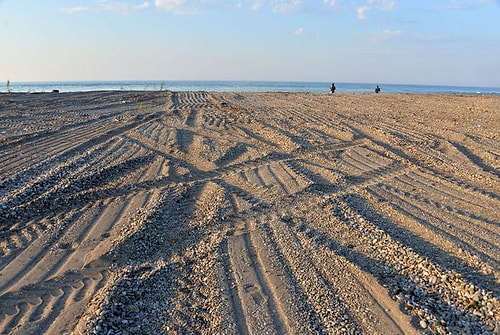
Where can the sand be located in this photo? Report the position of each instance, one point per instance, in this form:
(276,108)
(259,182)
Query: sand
(249,213)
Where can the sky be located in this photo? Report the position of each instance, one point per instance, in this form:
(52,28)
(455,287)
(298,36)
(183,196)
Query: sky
(439,42)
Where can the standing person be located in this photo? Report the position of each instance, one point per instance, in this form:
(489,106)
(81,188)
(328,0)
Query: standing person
(332,88)
(377,89)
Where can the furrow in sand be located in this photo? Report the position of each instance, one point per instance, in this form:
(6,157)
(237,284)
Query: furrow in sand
(295,312)
(13,244)
(74,132)
(483,246)
(26,261)
(464,211)
(277,177)
(259,308)
(49,311)
(260,278)
(473,200)
(289,179)
(91,238)
(236,311)
(87,244)
(378,314)
(152,130)
(186,100)
(92,280)
(157,170)
(401,272)
(50,148)
(37,308)
(441,248)
(359,160)
(319,291)
(47,254)
(93,141)
(68,177)
(405,134)
(30,305)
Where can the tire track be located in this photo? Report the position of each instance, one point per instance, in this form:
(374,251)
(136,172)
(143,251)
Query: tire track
(378,308)
(45,300)
(262,313)
(375,242)
(49,147)
(484,246)
(82,144)
(262,287)
(318,288)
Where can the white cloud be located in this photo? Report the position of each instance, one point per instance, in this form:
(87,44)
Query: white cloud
(299,31)
(434,38)
(198,6)
(386,5)
(180,6)
(361,12)
(256,5)
(286,6)
(122,8)
(142,6)
(170,5)
(382,5)
(111,6)
(74,9)
(330,3)
(391,33)
(386,34)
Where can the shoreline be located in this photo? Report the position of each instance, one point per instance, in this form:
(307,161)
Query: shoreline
(245,86)
(259,92)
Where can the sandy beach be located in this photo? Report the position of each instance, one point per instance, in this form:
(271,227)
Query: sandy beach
(128,212)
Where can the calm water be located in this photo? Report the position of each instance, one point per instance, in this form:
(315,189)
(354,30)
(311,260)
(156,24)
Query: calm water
(238,86)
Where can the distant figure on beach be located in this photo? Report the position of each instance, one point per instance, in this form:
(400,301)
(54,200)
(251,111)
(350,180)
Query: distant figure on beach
(377,89)
(332,88)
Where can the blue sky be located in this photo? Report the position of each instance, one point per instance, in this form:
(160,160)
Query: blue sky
(444,42)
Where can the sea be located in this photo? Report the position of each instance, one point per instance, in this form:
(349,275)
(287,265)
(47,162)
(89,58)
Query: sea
(239,86)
